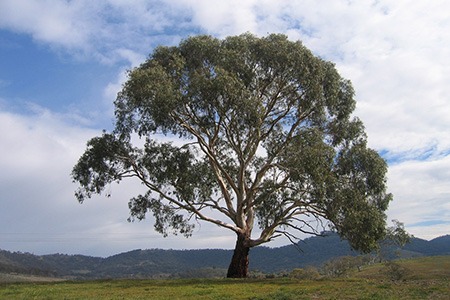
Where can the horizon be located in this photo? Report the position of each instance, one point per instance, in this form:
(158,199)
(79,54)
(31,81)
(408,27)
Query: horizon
(194,249)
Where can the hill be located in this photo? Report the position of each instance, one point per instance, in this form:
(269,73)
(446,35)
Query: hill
(437,246)
(158,263)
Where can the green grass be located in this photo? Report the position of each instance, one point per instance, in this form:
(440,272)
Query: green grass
(426,278)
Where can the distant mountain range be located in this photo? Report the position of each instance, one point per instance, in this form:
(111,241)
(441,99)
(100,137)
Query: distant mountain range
(157,263)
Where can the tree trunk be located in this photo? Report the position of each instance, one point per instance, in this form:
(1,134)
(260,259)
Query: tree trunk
(239,263)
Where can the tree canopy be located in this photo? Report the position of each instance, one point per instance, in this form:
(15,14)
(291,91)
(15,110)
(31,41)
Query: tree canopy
(263,136)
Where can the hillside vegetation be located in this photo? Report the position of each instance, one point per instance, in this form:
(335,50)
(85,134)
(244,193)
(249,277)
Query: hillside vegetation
(157,263)
(424,278)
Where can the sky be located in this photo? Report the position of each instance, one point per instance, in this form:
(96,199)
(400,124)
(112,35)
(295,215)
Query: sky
(63,62)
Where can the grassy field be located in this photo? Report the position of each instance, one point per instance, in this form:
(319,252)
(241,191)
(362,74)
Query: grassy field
(426,278)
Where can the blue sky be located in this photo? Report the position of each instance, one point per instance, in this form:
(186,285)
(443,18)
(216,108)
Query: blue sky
(62,63)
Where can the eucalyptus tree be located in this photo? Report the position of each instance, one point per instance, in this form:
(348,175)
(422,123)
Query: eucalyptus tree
(263,136)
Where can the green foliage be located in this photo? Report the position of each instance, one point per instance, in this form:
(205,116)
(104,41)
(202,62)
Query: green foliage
(395,271)
(340,266)
(397,234)
(265,137)
(396,237)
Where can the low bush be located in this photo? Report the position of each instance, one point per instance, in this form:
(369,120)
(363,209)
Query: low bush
(309,273)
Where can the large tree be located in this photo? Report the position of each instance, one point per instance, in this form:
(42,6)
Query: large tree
(263,136)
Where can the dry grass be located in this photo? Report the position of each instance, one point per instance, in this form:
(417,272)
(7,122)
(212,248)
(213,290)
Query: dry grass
(14,278)
(427,278)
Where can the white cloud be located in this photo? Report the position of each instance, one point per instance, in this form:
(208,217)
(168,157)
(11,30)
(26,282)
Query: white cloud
(36,157)
(223,18)
(422,194)
(93,29)
(47,21)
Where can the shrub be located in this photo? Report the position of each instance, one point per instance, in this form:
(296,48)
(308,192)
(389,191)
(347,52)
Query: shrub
(395,271)
(310,273)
